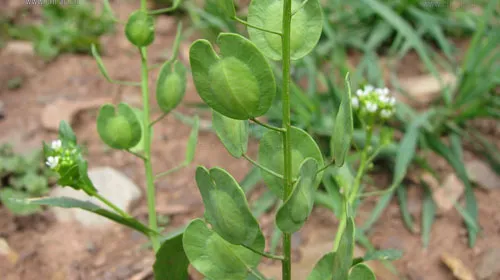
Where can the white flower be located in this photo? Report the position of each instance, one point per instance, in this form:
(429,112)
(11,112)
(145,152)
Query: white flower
(371,107)
(369,88)
(52,162)
(385,114)
(360,93)
(56,144)
(385,91)
(384,98)
(355,102)
(392,101)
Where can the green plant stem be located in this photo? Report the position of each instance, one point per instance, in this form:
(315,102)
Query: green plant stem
(362,167)
(170,171)
(267,255)
(111,205)
(254,273)
(256,27)
(279,129)
(341,228)
(263,168)
(286,268)
(158,119)
(150,188)
(161,11)
(137,155)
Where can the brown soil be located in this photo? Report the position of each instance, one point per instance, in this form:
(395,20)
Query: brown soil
(51,250)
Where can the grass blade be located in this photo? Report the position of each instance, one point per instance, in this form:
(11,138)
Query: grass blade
(403,206)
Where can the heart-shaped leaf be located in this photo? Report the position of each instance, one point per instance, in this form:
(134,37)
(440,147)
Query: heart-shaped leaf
(216,258)
(342,136)
(232,133)
(171,261)
(271,156)
(119,129)
(361,272)
(170,86)
(140,29)
(239,83)
(294,212)
(306,27)
(323,268)
(226,207)
(343,256)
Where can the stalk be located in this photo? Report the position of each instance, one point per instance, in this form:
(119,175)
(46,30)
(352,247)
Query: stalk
(285,41)
(150,188)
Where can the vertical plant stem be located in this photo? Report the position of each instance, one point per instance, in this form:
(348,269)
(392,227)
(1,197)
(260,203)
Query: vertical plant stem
(285,41)
(150,188)
(362,167)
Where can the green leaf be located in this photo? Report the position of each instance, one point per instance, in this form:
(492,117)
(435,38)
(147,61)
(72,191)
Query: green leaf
(232,133)
(214,257)
(119,129)
(343,256)
(428,215)
(306,27)
(66,133)
(100,63)
(403,206)
(171,262)
(239,83)
(140,29)
(10,199)
(226,207)
(192,141)
(324,268)
(67,202)
(227,6)
(383,255)
(170,86)
(361,272)
(344,178)
(294,212)
(342,136)
(271,156)
(379,208)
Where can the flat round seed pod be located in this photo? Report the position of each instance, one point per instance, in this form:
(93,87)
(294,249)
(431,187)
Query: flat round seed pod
(170,86)
(140,29)
(239,83)
(271,156)
(119,129)
(306,27)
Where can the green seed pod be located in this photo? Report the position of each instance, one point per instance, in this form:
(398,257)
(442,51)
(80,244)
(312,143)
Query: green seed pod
(171,86)
(239,83)
(120,129)
(140,29)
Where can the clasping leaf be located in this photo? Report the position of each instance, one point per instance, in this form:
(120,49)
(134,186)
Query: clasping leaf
(232,133)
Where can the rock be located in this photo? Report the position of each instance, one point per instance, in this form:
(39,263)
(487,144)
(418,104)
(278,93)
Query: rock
(447,194)
(481,174)
(425,88)
(111,184)
(66,110)
(488,266)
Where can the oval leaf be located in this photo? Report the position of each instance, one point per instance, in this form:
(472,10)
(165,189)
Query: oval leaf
(119,129)
(171,261)
(361,272)
(294,212)
(239,83)
(342,136)
(271,156)
(306,27)
(323,268)
(214,257)
(226,207)
(170,86)
(232,133)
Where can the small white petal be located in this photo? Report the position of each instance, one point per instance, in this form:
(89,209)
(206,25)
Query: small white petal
(355,102)
(385,91)
(56,144)
(371,107)
(392,101)
(369,88)
(385,113)
(359,92)
(52,162)
(384,99)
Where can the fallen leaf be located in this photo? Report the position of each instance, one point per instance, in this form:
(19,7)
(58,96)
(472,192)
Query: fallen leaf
(63,109)
(481,174)
(460,271)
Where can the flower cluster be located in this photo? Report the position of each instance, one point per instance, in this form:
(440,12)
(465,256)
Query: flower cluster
(375,102)
(59,155)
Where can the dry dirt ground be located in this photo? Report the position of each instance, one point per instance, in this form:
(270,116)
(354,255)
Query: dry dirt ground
(51,250)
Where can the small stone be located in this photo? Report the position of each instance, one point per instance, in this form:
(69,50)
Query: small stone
(488,266)
(111,184)
(481,174)
(448,194)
